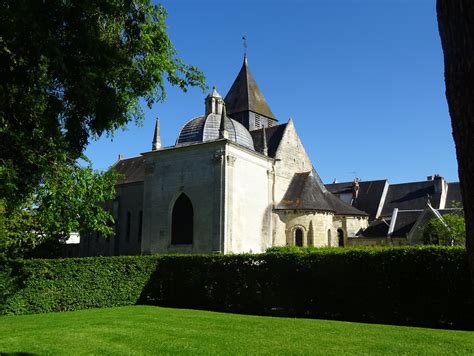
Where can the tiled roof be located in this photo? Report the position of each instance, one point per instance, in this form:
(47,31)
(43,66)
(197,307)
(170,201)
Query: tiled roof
(273,134)
(405,221)
(131,170)
(307,192)
(369,196)
(377,228)
(245,95)
(206,128)
(410,196)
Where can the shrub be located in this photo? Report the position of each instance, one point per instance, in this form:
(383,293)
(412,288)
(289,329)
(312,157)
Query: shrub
(425,286)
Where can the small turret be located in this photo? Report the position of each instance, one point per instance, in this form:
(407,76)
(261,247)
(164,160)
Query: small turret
(214,102)
(156,144)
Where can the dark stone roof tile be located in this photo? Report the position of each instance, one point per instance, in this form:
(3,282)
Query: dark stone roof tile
(369,196)
(132,170)
(273,134)
(377,228)
(245,95)
(307,192)
(410,196)
(405,221)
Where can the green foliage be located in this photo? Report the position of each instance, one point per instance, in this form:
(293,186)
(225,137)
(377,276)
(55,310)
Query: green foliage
(449,231)
(390,285)
(70,199)
(72,70)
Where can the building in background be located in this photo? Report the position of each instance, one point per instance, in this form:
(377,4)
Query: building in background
(237,180)
(398,211)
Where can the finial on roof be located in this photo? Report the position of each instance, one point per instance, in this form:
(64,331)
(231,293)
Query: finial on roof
(244,38)
(120,157)
(222,130)
(156,144)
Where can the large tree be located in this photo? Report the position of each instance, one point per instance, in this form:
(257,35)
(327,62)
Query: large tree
(72,70)
(456,28)
(69,199)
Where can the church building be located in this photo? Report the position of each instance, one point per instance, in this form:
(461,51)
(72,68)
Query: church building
(237,180)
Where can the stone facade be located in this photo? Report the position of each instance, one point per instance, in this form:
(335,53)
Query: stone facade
(225,186)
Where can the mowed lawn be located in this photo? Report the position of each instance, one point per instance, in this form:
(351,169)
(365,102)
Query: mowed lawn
(154,330)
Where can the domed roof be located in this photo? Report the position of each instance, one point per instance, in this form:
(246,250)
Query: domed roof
(206,128)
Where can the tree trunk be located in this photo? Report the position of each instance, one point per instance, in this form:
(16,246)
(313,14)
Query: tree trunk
(456,28)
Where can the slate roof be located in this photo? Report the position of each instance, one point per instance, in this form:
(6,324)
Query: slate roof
(206,128)
(377,228)
(369,197)
(245,95)
(132,170)
(307,192)
(273,134)
(454,195)
(410,196)
(405,221)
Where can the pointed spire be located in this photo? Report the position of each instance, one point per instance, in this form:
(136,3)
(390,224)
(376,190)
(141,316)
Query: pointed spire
(222,130)
(264,143)
(156,145)
(245,95)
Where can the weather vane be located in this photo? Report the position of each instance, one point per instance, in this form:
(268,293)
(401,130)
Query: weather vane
(244,38)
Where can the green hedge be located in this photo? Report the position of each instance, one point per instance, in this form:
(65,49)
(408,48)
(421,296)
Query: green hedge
(425,286)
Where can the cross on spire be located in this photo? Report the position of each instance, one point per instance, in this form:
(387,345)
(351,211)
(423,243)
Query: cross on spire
(244,38)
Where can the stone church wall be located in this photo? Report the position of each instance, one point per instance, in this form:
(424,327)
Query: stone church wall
(195,171)
(130,203)
(291,158)
(126,210)
(248,201)
(317,228)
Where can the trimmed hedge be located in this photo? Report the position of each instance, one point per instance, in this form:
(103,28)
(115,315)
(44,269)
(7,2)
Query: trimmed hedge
(425,286)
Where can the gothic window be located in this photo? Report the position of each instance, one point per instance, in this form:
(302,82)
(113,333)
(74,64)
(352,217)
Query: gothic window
(329,238)
(182,221)
(340,236)
(298,237)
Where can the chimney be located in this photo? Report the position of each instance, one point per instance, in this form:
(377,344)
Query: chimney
(441,187)
(439,182)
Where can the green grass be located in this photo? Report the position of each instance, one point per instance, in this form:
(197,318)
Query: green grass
(153,330)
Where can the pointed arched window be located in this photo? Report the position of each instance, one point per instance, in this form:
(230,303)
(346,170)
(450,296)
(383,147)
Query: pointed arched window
(182,221)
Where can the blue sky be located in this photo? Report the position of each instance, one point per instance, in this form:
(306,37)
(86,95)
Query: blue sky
(363,81)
